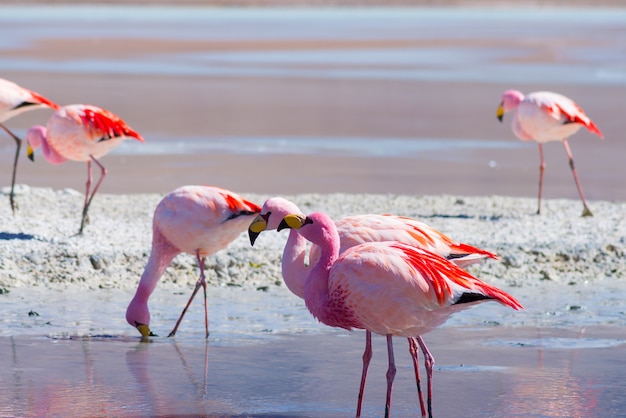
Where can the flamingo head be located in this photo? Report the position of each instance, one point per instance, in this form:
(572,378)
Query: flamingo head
(321,228)
(34,138)
(138,315)
(272,213)
(510,100)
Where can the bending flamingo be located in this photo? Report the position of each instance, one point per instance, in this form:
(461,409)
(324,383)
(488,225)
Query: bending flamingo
(545,116)
(355,230)
(15,99)
(80,133)
(197,220)
(388,288)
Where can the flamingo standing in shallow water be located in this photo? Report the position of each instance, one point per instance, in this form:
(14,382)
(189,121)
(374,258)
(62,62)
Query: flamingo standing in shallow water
(198,220)
(80,133)
(15,99)
(545,116)
(355,230)
(388,288)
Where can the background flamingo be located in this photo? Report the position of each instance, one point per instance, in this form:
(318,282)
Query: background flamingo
(80,133)
(355,230)
(545,116)
(388,288)
(14,100)
(198,220)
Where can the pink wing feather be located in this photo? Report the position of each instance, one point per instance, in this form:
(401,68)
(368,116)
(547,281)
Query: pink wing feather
(107,125)
(438,271)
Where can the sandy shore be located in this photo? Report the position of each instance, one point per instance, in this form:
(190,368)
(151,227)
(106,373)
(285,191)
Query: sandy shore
(39,246)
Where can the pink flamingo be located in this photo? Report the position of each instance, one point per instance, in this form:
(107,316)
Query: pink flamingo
(80,133)
(388,288)
(15,99)
(545,116)
(355,230)
(197,220)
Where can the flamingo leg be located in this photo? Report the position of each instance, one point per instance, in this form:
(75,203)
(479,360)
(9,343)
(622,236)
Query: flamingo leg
(367,356)
(415,356)
(542,168)
(429,363)
(18,143)
(201,282)
(88,197)
(391,374)
(586,211)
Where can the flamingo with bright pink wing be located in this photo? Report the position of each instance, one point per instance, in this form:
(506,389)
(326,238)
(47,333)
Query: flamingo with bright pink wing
(545,116)
(80,133)
(388,288)
(197,220)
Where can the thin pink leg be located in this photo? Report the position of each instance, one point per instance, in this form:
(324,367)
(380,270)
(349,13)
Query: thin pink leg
(88,197)
(18,143)
(586,211)
(542,168)
(391,374)
(201,282)
(415,356)
(367,356)
(429,363)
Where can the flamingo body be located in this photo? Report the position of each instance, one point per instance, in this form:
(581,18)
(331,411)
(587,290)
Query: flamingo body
(80,132)
(420,289)
(15,99)
(546,116)
(386,287)
(197,220)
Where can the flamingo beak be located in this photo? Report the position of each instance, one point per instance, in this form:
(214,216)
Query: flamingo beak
(144,330)
(258,225)
(293,221)
(30,153)
(500,112)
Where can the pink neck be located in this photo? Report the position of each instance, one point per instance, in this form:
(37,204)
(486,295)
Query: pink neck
(162,254)
(295,272)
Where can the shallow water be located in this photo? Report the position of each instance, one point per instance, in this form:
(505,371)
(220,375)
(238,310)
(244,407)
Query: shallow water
(595,59)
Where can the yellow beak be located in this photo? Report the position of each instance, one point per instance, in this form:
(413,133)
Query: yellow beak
(257,226)
(293,221)
(144,330)
(500,112)
(30,153)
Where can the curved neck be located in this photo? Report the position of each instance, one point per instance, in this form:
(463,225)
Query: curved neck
(294,270)
(316,286)
(162,254)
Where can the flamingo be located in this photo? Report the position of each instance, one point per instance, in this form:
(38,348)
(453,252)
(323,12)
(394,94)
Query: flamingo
(198,220)
(355,230)
(80,132)
(15,99)
(545,116)
(388,288)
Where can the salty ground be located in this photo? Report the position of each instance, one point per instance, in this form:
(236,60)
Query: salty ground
(342,110)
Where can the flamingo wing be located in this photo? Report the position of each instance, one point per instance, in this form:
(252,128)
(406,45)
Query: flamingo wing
(105,125)
(237,204)
(564,109)
(354,230)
